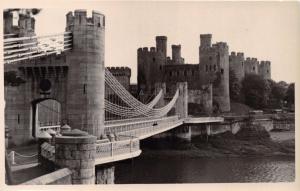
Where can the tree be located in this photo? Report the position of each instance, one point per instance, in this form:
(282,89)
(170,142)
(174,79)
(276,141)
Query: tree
(277,94)
(290,95)
(234,86)
(256,91)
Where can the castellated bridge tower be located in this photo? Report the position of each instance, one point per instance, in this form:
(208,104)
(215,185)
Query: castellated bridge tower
(85,90)
(214,69)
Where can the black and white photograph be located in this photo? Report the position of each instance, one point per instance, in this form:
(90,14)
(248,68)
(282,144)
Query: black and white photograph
(149,93)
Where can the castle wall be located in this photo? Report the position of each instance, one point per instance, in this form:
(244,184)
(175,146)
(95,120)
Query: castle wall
(236,64)
(202,99)
(182,73)
(20,108)
(122,74)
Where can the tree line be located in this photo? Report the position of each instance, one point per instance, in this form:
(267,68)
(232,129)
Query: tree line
(260,93)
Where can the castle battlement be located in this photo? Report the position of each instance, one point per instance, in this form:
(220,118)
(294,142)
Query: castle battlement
(240,54)
(80,18)
(120,71)
(25,27)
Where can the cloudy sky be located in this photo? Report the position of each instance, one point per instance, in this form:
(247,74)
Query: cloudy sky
(268,31)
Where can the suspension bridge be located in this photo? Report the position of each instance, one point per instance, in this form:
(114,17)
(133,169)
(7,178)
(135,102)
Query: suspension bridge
(69,67)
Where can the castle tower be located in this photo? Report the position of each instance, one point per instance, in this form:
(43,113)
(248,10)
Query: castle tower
(176,54)
(264,69)
(161,45)
(85,92)
(25,27)
(236,64)
(205,40)
(214,69)
(251,66)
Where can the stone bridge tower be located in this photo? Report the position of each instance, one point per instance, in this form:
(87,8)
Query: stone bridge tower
(85,92)
(73,78)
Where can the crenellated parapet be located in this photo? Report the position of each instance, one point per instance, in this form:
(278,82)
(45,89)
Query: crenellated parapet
(24,27)
(79,18)
(120,71)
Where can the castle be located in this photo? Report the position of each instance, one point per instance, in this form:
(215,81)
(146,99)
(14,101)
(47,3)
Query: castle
(208,80)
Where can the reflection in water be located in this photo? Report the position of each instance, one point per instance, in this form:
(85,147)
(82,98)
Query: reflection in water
(205,170)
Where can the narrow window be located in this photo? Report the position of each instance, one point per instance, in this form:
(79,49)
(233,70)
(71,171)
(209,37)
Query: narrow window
(193,72)
(253,68)
(210,58)
(215,67)
(177,73)
(18,118)
(210,68)
(170,73)
(153,59)
(267,71)
(185,73)
(222,71)
(84,88)
(206,68)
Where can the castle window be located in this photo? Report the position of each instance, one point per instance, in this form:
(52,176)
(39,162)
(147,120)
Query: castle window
(99,25)
(84,88)
(185,73)
(267,71)
(215,67)
(170,73)
(253,68)
(222,71)
(210,58)
(206,68)
(18,118)
(193,72)
(153,59)
(160,67)
(177,73)
(210,68)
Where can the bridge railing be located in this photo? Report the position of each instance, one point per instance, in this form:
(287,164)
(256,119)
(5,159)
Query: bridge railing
(129,126)
(110,149)
(151,129)
(112,122)
(53,127)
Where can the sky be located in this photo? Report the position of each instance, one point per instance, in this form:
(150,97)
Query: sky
(267,31)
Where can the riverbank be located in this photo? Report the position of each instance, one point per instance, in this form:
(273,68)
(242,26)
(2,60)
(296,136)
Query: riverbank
(223,145)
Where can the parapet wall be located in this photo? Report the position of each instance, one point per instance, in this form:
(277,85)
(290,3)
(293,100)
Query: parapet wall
(59,177)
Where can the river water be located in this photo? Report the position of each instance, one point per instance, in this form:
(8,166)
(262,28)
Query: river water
(205,170)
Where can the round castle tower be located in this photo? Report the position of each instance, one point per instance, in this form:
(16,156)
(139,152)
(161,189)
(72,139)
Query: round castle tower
(236,64)
(85,93)
(264,69)
(214,69)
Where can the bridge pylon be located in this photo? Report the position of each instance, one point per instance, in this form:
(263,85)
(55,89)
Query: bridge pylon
(85,90)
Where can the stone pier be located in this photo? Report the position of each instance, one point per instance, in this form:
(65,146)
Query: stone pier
(76,151)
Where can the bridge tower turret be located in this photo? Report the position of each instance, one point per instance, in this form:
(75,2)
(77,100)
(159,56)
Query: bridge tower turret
(85,92)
